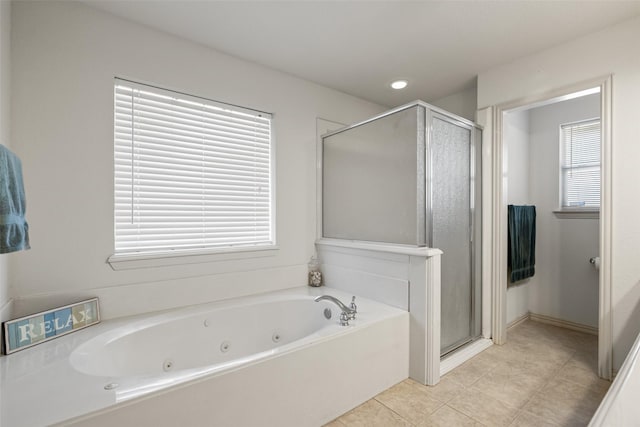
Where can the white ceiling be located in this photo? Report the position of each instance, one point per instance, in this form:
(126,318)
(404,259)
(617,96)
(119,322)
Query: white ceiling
(359,47)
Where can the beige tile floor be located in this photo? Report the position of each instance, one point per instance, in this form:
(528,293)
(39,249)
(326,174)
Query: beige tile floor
(542,376)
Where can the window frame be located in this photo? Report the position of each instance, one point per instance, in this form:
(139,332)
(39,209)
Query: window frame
(575,211)
(144,259)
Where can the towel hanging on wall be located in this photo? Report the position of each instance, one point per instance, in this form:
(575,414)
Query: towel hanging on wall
(522,242)
(14,230)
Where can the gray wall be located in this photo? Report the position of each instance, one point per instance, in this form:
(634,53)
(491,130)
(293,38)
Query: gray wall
(65,55)
(565,285)
(516,135)
(462,103)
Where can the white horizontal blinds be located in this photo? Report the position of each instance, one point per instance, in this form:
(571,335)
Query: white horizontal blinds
(189,173)
(581,164)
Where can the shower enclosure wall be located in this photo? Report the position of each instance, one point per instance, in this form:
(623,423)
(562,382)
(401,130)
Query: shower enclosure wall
(412,177)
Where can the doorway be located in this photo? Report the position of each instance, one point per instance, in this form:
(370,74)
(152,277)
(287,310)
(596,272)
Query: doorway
(571,224)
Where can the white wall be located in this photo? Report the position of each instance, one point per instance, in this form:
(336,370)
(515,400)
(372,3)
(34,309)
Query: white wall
(64,58)
(610,51)
(516,136)
(5,97)
(567,285)
(461,103)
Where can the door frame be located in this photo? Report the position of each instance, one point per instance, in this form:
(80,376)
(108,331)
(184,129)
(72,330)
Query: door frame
(497,262)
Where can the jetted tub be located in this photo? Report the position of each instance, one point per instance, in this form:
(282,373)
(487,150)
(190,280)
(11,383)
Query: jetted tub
(273,359)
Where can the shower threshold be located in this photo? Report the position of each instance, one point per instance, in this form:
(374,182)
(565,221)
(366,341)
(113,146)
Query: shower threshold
(457,356)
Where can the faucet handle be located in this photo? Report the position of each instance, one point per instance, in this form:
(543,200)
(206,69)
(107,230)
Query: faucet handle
(353,307)
(344,318)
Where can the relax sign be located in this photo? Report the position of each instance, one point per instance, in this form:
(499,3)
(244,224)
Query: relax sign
(37,328)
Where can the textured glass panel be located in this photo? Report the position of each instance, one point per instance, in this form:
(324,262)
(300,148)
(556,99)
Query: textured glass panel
(370,181)
(450,152)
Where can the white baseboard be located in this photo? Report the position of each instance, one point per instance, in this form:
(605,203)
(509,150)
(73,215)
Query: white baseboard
(519,320)
(560,323)
(458,357)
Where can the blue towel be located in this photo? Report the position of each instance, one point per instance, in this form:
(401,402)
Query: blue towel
(522,242)
(14,230)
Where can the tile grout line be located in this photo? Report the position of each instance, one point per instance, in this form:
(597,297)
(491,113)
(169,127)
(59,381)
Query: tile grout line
(551,377)
(521,409)
(462,413)
(403,418)
(433,412)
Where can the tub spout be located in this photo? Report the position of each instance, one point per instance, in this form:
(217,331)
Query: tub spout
(347,313)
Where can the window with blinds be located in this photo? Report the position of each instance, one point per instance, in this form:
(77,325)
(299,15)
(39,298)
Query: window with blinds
(580,164)
(191,174)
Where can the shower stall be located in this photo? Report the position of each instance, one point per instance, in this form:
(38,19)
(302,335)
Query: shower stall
(411,177)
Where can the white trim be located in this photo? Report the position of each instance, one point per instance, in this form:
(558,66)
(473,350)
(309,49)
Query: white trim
(499,234)
(433,317)
(457,358)
(549,320)
(323,126)
(577,214)
(566,324)
(485,118)
(146,260)
(519,320)
(424,326)
(381,247)
(605,312)
(499,220)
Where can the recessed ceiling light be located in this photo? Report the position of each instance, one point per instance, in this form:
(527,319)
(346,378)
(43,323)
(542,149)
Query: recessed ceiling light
(399,84)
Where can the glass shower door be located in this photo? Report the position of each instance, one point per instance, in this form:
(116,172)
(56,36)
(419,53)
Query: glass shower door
(452,196)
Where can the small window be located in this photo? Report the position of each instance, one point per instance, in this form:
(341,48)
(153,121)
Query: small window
(190,174)
(580,165)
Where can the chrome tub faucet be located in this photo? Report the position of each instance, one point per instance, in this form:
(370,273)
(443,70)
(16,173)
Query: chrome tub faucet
(348,313)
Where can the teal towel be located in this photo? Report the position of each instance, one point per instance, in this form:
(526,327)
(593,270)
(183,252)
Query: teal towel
(522,242)
(14,230)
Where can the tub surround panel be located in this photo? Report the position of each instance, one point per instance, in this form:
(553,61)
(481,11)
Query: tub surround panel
(391,274)
(394,292)
(376,275)
(129,300)
(381,276)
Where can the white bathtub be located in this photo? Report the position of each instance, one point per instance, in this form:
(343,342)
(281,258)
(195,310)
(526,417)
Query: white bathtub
(620,408)
(265,360)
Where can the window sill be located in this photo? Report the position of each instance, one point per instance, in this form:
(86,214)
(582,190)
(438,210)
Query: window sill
(577,214)
(134,261)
